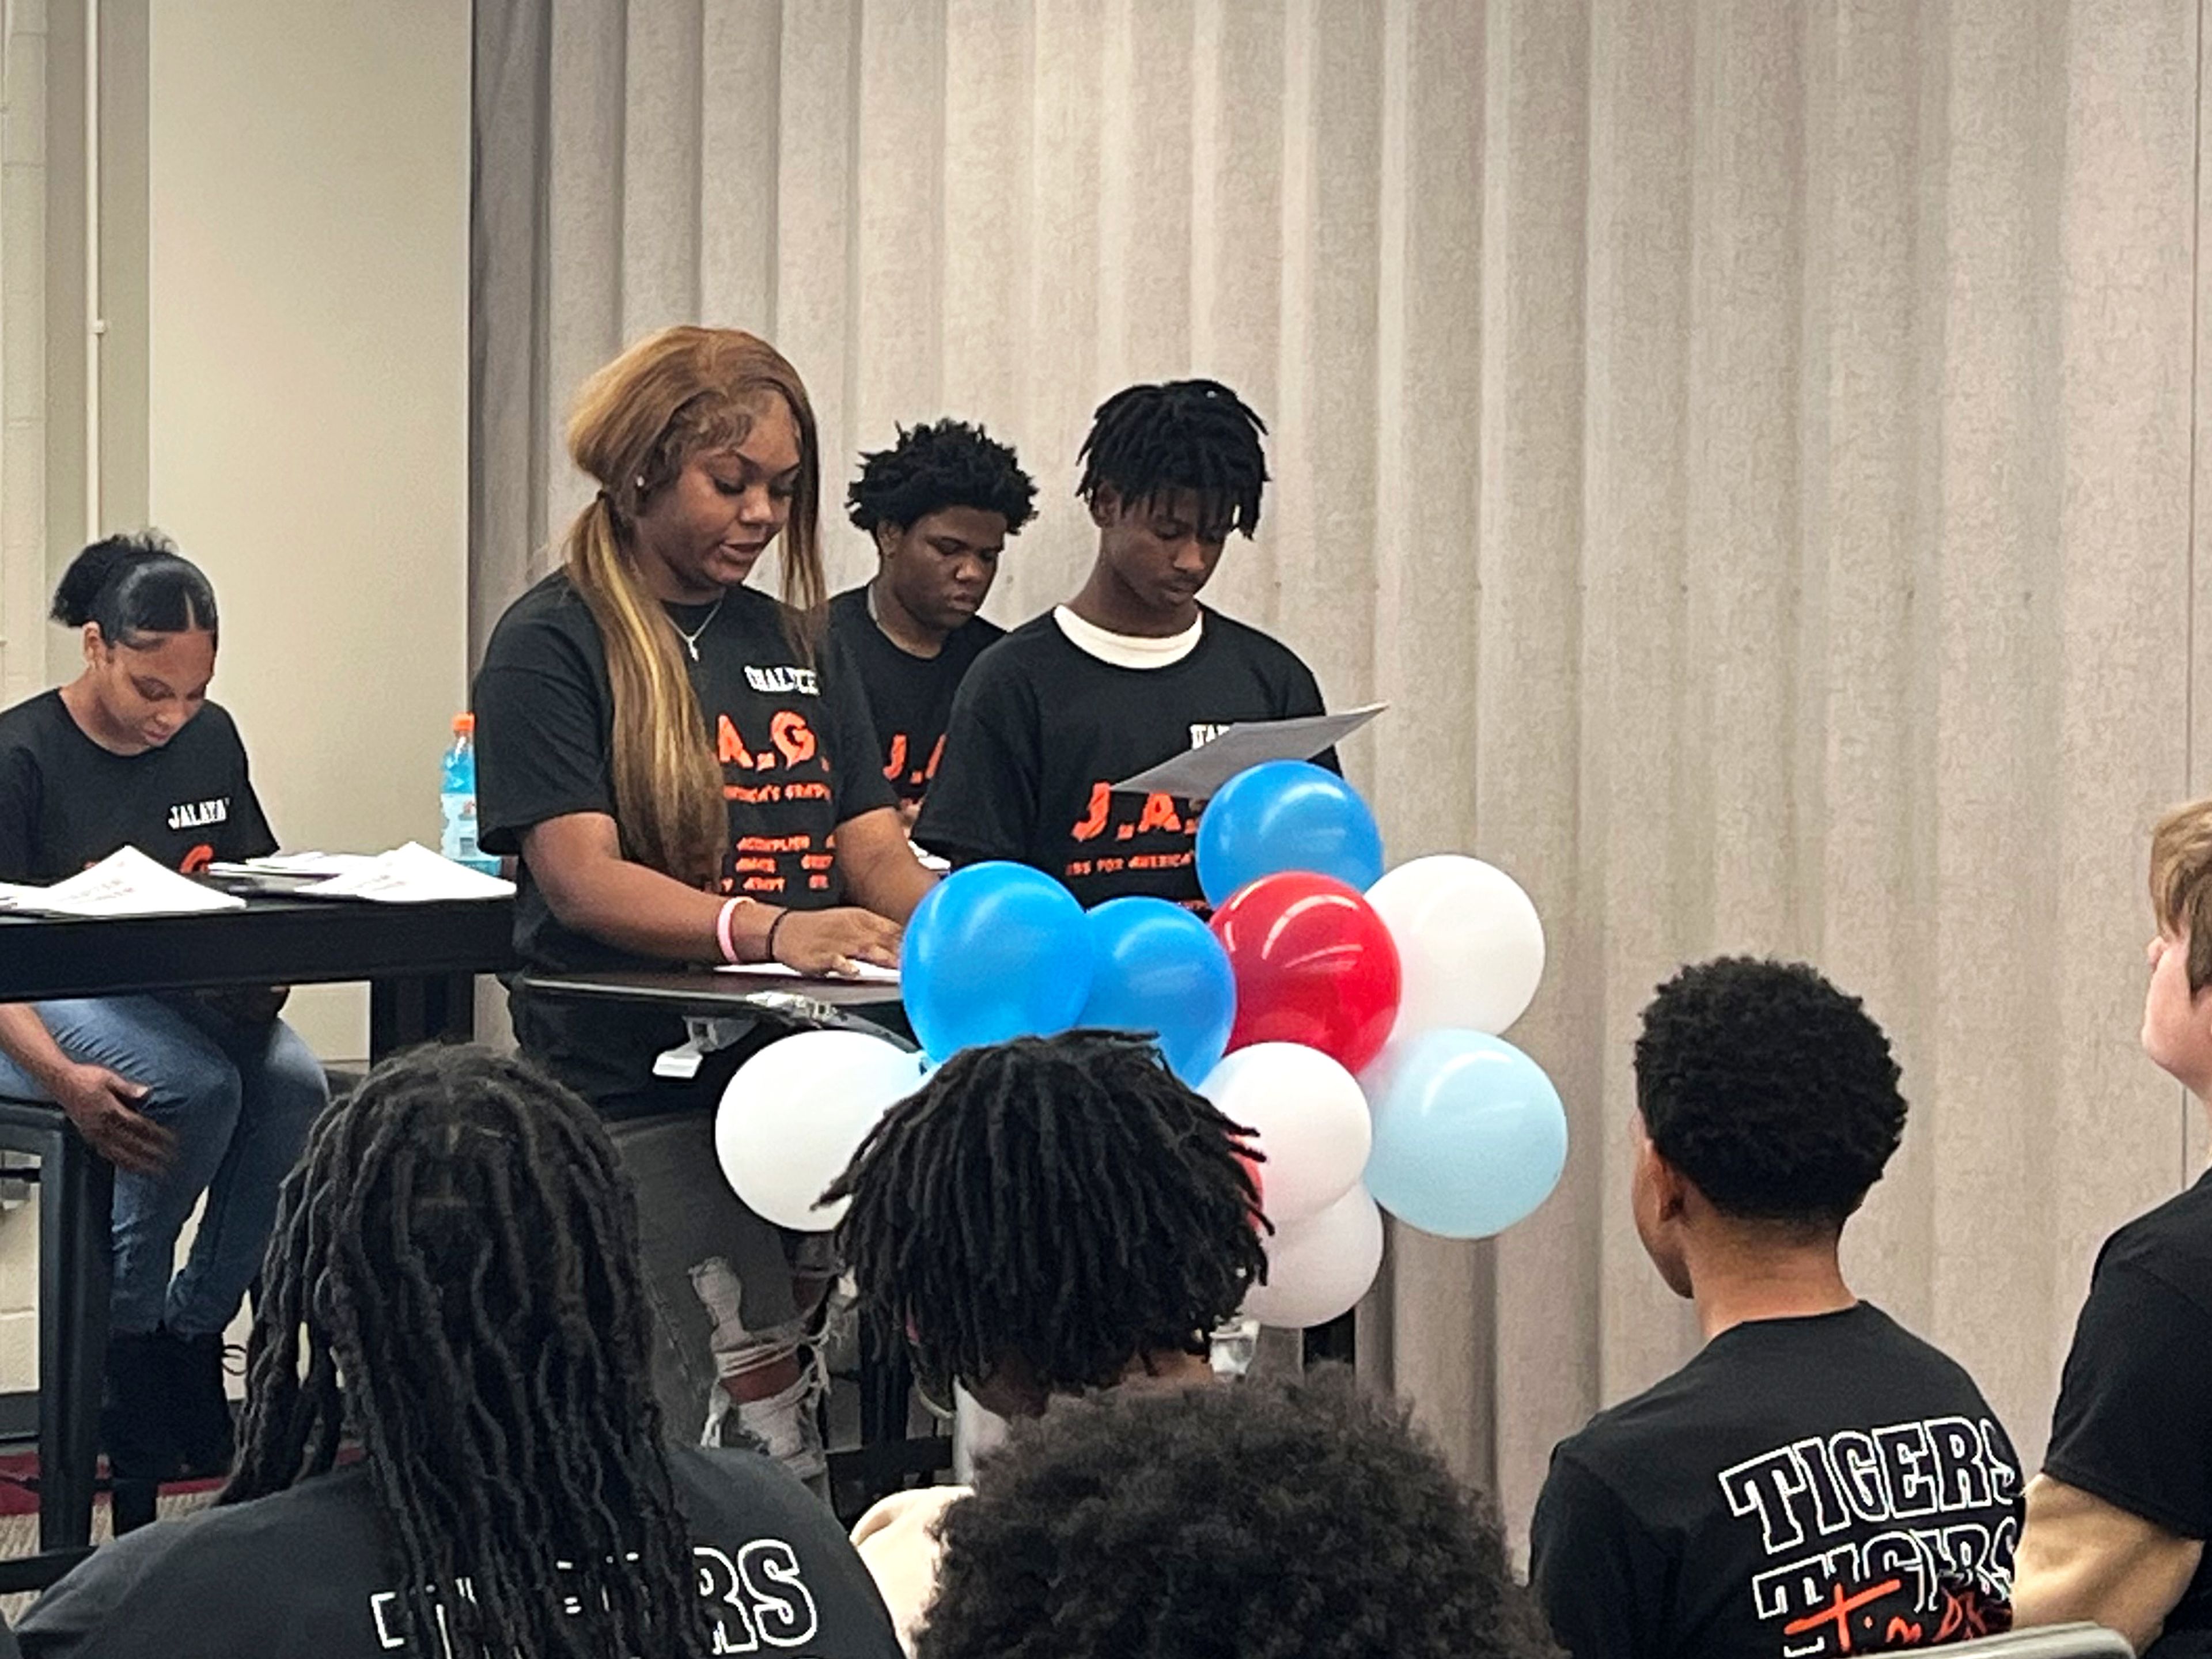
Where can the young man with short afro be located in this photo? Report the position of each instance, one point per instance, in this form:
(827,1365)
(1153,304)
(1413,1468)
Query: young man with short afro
(1817,1480)
(938,505)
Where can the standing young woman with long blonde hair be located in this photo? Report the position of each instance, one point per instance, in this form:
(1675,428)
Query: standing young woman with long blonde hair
(686,771)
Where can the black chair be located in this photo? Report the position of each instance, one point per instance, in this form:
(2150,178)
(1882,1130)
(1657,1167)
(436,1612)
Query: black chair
(76,1194)
(2047,1642)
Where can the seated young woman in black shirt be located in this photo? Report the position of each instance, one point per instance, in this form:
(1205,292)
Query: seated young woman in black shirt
(938,505)
(685,768)
(187,1094)
(454,1283)
(1130,672)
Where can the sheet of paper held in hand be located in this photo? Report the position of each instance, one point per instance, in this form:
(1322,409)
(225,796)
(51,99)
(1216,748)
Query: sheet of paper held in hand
(126,883)
(1198,774)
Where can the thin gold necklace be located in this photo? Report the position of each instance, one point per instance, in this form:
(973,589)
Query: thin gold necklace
(691,639)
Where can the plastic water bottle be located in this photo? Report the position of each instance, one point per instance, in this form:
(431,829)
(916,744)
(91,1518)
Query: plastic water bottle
(457,797)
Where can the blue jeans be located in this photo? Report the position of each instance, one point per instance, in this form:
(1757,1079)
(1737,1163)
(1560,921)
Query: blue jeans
(240,1098)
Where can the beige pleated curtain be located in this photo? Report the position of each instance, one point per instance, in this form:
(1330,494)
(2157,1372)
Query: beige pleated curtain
(1751,444)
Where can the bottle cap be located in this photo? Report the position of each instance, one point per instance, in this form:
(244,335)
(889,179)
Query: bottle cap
(464,724)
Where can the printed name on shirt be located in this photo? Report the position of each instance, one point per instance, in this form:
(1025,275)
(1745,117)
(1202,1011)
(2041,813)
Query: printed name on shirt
(780,681)
(196,814)
(758,1598)
(1909,1586)
(1202,735)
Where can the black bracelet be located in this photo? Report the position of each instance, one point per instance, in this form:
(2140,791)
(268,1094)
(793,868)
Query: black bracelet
(781,916)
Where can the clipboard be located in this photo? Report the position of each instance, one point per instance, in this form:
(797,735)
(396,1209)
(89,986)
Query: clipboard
(1198,774)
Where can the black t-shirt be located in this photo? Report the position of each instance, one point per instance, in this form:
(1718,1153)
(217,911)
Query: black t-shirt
(909,697)
(795,747)
(1803,1487)
(308,1573)
(66,802)
(2134,1422)
(1041,728)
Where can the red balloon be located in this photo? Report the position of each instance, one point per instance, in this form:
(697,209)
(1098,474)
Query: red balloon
(1314,964)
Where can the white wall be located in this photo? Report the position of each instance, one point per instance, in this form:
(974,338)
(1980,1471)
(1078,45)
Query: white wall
(22,351)
(307,274)
(285,391)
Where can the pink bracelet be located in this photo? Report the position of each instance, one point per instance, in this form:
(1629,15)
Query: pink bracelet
(722,927)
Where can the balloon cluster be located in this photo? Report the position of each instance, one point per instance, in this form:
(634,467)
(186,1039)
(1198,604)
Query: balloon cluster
(1366,1056)
(1347,1017)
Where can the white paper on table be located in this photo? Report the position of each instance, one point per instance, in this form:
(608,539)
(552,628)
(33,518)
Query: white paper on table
(126,883)
(412,874)
(301,865)
(1198,774)
(869,974)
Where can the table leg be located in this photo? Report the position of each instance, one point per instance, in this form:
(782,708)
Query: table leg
(1335,1342)
(76,1189)
(416,1008)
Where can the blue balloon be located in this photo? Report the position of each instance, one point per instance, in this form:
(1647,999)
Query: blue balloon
(995,951)
(1286,815)
(1158,968)
(1469,1133)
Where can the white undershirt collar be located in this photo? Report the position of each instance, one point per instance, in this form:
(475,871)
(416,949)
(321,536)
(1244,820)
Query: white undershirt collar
(1127,650)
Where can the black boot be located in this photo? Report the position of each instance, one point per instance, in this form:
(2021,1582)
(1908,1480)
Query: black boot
(134,1415)
(199,1410)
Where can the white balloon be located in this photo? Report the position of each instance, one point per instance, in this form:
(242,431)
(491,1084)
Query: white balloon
(797,1111)
(1307,1114)
(1319,1267)
(1470,945)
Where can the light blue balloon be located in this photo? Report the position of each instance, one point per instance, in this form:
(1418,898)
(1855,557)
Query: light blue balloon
(1469,1133)
(996,950)
(1286,815)
(1158,968)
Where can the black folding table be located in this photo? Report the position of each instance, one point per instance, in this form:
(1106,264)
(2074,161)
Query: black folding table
(420,961)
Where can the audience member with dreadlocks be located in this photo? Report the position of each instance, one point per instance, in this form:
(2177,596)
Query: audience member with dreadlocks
(1049,1216)
(1132,671)
(938,505)
(454,1283)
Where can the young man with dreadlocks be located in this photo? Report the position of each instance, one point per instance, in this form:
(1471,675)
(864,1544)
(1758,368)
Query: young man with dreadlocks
(1118,1227)
(938,505)
(1130,672)
(453,1282)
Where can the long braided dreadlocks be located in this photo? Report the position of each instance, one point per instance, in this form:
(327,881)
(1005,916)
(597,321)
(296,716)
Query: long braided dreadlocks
(1147,441)
(459,1248)
(1062,1200)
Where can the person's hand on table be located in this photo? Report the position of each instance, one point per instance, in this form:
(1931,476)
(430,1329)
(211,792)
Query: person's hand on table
(833,941)
(104,1109)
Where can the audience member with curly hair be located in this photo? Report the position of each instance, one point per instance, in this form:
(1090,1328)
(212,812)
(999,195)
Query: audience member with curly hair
(1047,1217)
(1817,1480)
(1261,1522)
(938,505)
